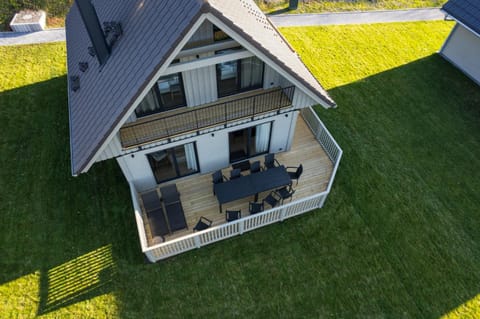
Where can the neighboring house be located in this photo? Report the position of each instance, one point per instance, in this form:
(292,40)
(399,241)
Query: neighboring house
(174,90)
(462,47)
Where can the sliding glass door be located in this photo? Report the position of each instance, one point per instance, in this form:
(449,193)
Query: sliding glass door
(174,162)
(167,94)
(239,76)
(249,142)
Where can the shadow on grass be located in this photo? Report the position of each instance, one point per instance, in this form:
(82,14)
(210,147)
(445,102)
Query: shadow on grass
(70,230)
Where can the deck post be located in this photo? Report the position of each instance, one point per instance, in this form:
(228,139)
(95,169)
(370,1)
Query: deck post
(197,242)
(241,226)
(282,214)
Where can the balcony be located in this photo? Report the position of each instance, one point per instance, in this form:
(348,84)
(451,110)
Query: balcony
(313,146)
(168,125)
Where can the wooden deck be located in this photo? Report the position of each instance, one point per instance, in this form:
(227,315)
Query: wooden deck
(197,191)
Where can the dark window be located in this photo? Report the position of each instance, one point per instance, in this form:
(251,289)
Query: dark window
(219,35)
(174,162)
(249,142)
(239,76)
(167,94)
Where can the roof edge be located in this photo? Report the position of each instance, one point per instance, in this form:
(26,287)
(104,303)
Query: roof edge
(105,139)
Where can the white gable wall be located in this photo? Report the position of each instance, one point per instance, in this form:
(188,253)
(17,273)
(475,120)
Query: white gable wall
(462,49)
(201,88)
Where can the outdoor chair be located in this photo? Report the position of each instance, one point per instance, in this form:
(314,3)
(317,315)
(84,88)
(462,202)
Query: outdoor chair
(255,167)
(255,208)
(272,199)
(243,165)
(270,161)
(231,215)
(203,223)
(295,174)
(235,173)
(285,193)
(170,194)
(217,178)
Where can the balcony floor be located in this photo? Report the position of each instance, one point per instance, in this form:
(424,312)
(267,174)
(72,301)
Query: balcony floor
(197,191)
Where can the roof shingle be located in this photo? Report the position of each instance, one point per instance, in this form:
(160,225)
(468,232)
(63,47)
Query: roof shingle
(466,12)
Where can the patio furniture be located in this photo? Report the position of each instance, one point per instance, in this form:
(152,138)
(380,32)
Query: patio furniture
(202,224)
(251,184)
(270,161)
(231,215)
(285,192)
(173,207)
(243,165)
(155,215)
(217,177)
(158,223)
(255,208)
(255,167)
(295,174)
(170,194)
(272,199)
(235,173)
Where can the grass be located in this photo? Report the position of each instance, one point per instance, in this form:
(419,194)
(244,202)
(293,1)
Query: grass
(398,237)
(315,6)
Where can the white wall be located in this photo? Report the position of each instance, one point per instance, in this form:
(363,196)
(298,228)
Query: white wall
(462,49)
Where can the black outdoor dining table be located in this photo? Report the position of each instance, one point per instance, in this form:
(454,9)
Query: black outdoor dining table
(252,184)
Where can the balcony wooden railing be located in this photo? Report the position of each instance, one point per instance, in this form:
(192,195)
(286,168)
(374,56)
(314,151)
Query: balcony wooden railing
(199,239)
(200,118)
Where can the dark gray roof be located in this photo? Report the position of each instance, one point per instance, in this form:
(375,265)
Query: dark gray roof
(151,31)
(465,11)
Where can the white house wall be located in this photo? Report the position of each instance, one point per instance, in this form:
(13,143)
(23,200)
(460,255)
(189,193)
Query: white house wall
(301,100)
(113,149)
(212,150)
(462,49)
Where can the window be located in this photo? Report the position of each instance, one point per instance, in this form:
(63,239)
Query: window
(238,76)
(219,35)
(167,94)
(174,162)
(249,142)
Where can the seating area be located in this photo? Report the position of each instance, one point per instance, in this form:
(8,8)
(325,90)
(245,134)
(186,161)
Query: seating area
(199,200)
(164,212)
(272,176)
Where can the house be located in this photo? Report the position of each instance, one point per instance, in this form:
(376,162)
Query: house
(175,90)
(462,47)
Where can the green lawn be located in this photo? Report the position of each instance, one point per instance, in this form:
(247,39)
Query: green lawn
(398,238)
(315,6)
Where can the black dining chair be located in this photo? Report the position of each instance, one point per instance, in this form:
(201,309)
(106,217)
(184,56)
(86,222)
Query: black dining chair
(231,215)
(255,167)
(295,174)
(202,224)
(255,208)
(270,161)
(272,199)
(235,173)
(217,178)
(285,192)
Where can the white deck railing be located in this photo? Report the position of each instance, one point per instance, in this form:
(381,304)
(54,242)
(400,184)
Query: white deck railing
(238,227)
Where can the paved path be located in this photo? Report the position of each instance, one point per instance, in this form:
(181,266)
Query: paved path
(56,35)
(284,20)
(15,38)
